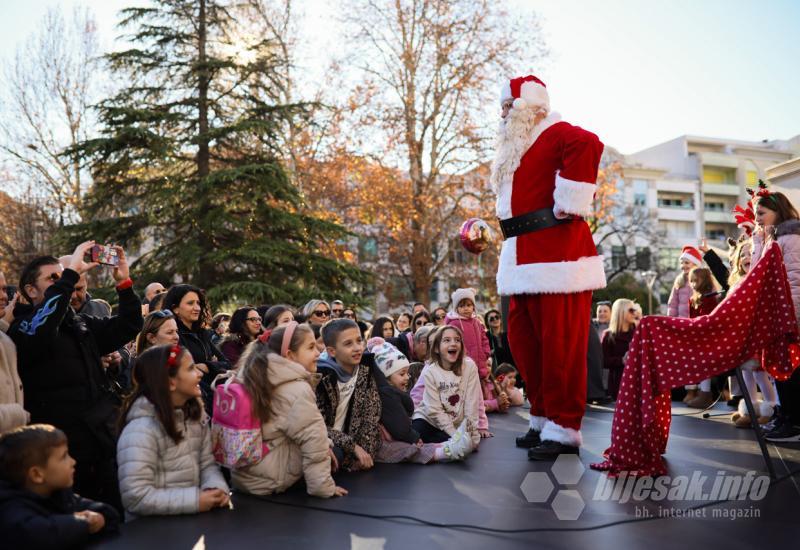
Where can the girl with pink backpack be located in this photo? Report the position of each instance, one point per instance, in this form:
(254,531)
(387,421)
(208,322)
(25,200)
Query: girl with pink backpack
(278,372)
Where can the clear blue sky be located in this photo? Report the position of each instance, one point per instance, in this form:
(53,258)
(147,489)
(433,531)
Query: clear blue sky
(636,72)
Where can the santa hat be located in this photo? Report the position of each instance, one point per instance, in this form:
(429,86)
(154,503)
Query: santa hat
(387,357)
(692,255)
(463,294)
(526,91)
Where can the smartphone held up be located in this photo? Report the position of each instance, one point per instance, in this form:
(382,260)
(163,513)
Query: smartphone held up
(104,255)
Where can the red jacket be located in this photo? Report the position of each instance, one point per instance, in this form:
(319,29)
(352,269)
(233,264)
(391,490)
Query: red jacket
(557,171)
(707,305)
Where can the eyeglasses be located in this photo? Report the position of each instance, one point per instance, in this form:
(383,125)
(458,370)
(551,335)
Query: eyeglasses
(54,276)
(162,313)
(254,319)
(494,318)
(439,317)
(337,310)
(632,310)
(349,315)
(322,313)
(420,323)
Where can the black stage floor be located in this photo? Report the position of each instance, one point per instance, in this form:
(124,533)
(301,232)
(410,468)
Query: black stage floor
(484,491)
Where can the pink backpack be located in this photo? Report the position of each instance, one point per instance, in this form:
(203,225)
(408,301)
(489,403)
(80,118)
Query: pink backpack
(235,431)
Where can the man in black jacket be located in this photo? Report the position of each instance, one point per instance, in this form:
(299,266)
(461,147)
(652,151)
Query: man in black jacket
(59,355)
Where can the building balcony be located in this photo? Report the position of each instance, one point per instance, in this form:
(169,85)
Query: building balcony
(718,217)
(677,186)
(727,189)
(677,214)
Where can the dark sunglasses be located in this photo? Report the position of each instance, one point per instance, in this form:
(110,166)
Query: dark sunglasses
(256,319)
(325,313)
(420,322)
(439,317)
(53,276)
(632,310)
(494,318)
(162,313)
(350,315)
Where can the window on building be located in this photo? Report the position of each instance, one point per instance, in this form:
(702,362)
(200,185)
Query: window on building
(618,256)
(719,175)
(640,188)
(716,234)
(668,257)
(367,249)
(676,202)
(752,178)
(714,206)
(643,258)
(678,229)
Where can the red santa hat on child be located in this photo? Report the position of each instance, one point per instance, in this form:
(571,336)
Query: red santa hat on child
(692,255)
(526,91)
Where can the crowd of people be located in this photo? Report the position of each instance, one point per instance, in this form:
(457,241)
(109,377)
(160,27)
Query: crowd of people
(126,405)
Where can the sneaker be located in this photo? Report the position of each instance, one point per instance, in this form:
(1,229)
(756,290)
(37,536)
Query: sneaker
(786,433)
(529,440)
(549,450)
(460,443)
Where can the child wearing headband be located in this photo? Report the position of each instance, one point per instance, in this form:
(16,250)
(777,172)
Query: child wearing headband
(278,370)
(164,451)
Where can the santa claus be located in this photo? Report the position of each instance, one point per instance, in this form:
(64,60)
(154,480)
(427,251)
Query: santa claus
(544,175)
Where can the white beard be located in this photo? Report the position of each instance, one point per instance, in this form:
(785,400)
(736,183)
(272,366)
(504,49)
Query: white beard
(516,134)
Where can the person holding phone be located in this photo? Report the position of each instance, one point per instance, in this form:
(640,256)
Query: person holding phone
(59,357)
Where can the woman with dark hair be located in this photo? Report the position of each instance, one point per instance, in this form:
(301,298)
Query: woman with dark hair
(277,316)
(439,316)
(188,304)
(404,322)
(245,326)
(421,318)
(382,327)
(498,338)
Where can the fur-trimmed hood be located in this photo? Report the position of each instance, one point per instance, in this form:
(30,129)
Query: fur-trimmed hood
(789,227)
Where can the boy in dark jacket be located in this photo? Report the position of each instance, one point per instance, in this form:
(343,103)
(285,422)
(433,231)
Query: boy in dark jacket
(38,509)
(59,361)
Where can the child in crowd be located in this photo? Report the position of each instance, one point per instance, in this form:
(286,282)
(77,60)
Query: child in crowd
(347,396)
(164,451)
(678,304)
(754,376)
(278,370)
(705,298)
(506,377)
(476,344)
(37,506)
(452,392)
(400,442)
(777,219)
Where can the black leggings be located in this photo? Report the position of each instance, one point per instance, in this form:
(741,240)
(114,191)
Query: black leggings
(428,433)
(789,394)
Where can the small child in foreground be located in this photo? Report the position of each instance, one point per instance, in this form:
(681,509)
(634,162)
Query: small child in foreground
(37,506)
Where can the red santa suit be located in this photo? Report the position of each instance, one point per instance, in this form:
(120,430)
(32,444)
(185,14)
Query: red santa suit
(548,273)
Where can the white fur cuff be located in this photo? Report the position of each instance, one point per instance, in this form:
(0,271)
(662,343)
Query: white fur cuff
(573,197)
(567,436)
(537,423)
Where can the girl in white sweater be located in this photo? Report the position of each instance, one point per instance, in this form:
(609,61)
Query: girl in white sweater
(452,392)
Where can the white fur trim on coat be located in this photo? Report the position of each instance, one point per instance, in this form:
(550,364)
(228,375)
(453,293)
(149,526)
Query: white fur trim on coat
(567,436)
(523,134)
(537,423)
(587,273)
(573,197)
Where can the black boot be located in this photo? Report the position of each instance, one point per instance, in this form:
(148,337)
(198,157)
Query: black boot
(529,440)
(549,450)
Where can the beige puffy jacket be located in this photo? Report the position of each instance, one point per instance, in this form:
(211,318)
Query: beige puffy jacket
(12,414)
(296,435)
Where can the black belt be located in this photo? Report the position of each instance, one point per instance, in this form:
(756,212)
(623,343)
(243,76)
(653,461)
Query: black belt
(530,222)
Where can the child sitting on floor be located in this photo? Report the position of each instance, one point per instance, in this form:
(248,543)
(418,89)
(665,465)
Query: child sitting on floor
(400,442)
(506,377)
(452,391)
(347,396)
(37,506)
(278,370)
(164,452)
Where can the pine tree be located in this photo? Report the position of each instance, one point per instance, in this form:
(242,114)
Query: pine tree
(188,163)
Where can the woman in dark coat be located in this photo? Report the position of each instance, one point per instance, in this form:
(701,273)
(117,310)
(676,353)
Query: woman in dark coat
(188,304)
(245,326)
